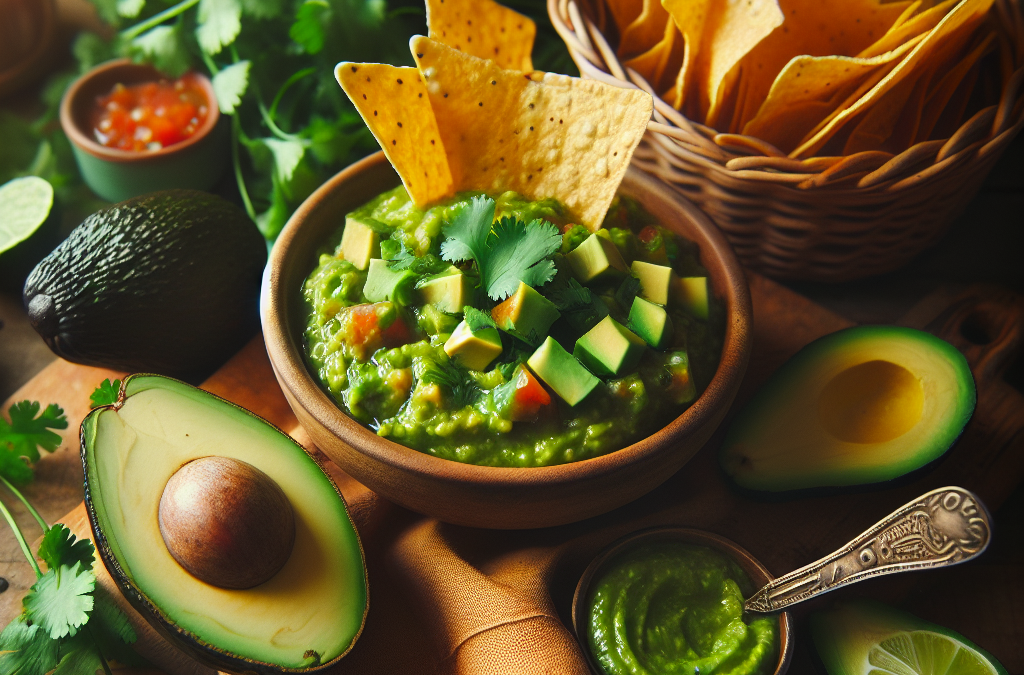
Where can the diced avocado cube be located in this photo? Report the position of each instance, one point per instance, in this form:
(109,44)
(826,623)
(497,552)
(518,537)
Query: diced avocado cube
(609,349)
(473,350)
(449,293)
(562,372)
(655,281)
(692,294)
(359,242)
(651,322)
(597,257)
(384,283)
(526,314)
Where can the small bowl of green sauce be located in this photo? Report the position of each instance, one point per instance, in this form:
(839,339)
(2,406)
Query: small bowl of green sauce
(670,600)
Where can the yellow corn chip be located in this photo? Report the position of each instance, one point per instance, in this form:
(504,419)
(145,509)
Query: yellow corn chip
(826,81)
(624,12)
(559,137)
(942,92)
(394,104)
(718,35)
(652,63)
(966,12)
(483,28)
(815,28)
(875,130)
(922,23)
(645,31)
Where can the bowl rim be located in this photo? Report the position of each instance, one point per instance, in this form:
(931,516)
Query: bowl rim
(751,565)
(293,374)
(83,86)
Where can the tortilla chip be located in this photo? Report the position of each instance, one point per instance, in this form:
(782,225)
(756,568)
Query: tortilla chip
(394,104)
(875,129)
(561,137)
(645,31)
(967,12)
(815,28)
(718,35)
(941,92)
(922,23)
(825,81)
(485,29)
(625,12)
(652,63)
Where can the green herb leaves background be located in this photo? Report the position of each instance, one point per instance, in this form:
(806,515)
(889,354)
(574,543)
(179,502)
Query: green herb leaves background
(272,67)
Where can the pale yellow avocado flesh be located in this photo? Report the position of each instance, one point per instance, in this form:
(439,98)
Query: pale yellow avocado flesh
(859,406)
(316,602)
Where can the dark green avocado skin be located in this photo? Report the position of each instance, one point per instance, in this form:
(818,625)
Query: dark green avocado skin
(166,283)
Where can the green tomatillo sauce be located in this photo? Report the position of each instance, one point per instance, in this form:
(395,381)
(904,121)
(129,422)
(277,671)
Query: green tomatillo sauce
(391,372)
(676,608)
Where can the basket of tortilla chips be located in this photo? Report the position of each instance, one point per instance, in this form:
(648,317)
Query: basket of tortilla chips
(829,139)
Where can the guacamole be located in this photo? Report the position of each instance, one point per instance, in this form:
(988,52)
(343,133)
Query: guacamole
(379,334)
(670,607)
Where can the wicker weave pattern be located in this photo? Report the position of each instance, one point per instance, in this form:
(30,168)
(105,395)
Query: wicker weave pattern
(821,218)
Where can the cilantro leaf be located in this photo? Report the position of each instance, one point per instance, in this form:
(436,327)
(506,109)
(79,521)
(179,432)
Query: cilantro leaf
(627,292)
(106,393)
(130,9)
(78,656)
(581,310)
(230,84)
(519,252)
(111,630)
(21,438)
(60,601)
(219,24)
(466,236)
(287,155)
(309,29)
(478,320)
(60,548)
(165,48)
(455,381)
(506,252)
(26,649)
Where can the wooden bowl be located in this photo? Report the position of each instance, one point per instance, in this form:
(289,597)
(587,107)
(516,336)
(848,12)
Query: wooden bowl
(759,576)
(195,163)
(478,496)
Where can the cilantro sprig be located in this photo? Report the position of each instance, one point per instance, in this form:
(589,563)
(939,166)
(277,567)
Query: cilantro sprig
(106,393)
(454,381)
(506,252)
(67,626)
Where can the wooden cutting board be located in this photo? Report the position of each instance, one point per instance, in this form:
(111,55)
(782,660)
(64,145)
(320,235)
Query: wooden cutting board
(986,323)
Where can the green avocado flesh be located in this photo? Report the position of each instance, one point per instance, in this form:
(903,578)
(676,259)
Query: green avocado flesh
(868,638)
(863,405)
(669,607)
(432,382)
(308,614)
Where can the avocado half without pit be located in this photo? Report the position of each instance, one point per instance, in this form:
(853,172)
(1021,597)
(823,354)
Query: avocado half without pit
(221,531)
(862,405)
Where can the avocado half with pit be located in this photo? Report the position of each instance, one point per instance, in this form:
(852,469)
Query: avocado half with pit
(221,531)
(862,405)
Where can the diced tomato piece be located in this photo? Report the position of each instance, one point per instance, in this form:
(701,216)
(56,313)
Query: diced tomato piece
(647,234)
(397,334)
(503,311)
(363,331)
(150,115)
(529,397)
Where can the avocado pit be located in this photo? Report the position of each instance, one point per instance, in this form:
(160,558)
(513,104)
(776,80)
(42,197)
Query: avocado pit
(226,522)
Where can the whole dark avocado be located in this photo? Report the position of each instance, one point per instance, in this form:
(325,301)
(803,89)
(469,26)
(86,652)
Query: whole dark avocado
(166,283)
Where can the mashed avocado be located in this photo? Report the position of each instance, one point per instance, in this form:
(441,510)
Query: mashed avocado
(384,362)
(669,607)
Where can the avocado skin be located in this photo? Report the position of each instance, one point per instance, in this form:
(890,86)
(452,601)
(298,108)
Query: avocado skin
(167,282)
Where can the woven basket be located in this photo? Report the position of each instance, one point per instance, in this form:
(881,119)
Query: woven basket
(822,218)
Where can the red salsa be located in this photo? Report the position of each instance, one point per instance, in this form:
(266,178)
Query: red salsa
(151,115)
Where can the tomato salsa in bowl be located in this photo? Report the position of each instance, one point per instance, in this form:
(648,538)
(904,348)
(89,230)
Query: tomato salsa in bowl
(491,496)
(134,131)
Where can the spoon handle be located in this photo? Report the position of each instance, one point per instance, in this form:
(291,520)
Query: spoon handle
(944,527)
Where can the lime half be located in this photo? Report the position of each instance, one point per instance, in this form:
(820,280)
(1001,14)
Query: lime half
(925,652)
(869,638)
(25,204)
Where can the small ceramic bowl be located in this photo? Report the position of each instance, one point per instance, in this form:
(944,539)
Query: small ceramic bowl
(759,576)
(481,496)
(116,175)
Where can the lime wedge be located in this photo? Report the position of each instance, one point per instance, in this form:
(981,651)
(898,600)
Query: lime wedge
(924,652)
(861,637)
(25,204)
